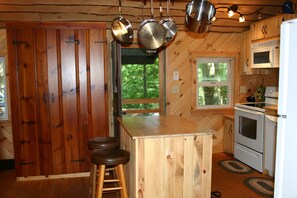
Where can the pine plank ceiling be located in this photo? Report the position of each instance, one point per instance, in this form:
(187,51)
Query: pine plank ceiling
(135,11)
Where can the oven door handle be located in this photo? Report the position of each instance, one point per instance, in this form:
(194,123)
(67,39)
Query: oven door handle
(248,111)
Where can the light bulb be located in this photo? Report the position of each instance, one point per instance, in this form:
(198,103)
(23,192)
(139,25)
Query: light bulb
(230,13)
(241,19)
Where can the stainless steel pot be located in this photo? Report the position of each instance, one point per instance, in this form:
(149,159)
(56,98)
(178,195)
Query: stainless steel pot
(121,28)
(151,34)
(169,25)
(199,15)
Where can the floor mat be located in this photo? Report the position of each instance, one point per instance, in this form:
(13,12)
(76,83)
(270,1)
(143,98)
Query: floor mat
(235,166)
(261,186)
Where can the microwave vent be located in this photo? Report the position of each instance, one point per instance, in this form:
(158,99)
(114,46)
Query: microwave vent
(265,43)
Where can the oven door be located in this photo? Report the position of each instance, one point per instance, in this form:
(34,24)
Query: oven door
(249,128)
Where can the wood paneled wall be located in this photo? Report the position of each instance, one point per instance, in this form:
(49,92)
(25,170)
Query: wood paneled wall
(182,54)
(179,58)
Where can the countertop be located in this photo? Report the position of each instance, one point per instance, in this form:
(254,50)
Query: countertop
(272,107)
(271,110)
(160,126)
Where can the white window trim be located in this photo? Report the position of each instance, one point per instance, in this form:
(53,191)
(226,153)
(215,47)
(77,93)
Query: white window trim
(229,83)
(4,118)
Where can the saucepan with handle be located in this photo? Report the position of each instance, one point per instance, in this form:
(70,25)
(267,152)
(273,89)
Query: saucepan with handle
(121,28)
(169,25)
(151,34)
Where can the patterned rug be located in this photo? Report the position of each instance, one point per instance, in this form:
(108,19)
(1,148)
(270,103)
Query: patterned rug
(235,166)
(261,186)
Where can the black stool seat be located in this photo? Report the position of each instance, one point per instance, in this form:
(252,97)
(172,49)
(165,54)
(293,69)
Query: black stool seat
(110,157)
(103,143)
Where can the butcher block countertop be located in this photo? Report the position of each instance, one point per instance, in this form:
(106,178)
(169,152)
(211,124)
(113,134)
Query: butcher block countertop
(160,126)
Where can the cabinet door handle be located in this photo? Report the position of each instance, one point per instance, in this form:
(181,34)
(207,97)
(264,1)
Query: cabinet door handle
(262,29)
(265,29)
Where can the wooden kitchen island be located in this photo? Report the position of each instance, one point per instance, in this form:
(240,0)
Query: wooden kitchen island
(169,158)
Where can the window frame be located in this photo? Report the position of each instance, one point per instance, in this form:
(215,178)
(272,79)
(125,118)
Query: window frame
(6,117)
(195,84)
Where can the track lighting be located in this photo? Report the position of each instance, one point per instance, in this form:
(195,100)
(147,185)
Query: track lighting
(231,10)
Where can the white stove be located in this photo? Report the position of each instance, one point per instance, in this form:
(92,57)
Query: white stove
(249,129)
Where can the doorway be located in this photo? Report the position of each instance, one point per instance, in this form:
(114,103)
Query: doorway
(138,83)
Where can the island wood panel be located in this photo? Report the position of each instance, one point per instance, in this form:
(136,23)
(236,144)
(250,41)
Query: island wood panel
(171,166)
(61,135)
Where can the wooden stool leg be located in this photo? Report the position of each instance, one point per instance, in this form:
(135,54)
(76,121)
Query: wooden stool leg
(93,180)
(121,175)
(100,181)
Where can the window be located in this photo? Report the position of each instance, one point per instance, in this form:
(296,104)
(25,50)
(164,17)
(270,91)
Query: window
(3,103)
(214,83)
(140,82)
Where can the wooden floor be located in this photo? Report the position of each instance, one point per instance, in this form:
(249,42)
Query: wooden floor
(50,188)
(230,185)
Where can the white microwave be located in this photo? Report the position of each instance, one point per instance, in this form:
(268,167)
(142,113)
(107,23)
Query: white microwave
(265,54)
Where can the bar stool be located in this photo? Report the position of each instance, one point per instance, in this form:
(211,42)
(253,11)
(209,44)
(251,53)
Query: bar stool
(101,143)
(116,158)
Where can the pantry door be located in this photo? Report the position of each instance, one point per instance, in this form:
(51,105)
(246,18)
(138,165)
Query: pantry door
(58,91)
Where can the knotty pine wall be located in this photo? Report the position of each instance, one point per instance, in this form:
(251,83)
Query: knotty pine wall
(181,55)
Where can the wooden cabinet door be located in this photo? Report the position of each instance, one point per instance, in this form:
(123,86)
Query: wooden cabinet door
(257,31)
(229,135)
(245,53)
(24,115)
(59,96)
(272,27)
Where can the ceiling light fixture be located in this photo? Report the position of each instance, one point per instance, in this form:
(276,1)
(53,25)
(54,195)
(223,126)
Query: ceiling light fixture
(233,9)
(241,19)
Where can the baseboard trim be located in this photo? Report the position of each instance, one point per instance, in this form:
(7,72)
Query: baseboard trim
(61,176)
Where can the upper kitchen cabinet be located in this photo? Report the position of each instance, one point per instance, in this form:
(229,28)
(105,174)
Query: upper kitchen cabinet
(58,94)
(245,55)
(268,28)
